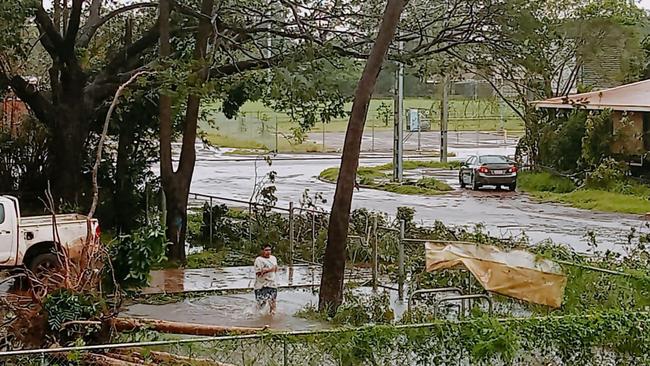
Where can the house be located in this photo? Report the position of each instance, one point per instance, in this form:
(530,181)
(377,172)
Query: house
(630,104)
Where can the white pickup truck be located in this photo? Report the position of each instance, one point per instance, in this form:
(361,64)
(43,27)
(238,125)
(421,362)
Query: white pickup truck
(30,241)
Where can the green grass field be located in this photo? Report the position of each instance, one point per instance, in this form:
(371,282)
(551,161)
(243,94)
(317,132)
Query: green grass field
(549,188)
(465,115)
(377,177)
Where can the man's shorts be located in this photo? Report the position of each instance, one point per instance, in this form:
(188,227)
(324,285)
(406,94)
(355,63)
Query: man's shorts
(265,294)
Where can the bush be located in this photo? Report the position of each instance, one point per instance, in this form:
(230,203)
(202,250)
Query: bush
(433,183)
(561,140)
(609,176)
(544,182)
(133,256)
(65,306)
(361,310)
(23,158)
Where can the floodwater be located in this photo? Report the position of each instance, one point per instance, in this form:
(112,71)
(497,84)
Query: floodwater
(235,310)
(503,214)
(298,287)
(236,278)
(239,309)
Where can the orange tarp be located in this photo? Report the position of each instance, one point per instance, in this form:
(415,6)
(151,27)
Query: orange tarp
(516,273)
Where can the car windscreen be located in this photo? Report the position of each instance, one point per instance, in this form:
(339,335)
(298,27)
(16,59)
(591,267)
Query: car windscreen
(493,159)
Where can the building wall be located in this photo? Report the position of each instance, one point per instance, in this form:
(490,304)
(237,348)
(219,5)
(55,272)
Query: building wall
(628,133)
(12,111)
(603,70)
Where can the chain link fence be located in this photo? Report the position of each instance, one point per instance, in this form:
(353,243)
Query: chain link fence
(552,340)
(298,232)
(259,128)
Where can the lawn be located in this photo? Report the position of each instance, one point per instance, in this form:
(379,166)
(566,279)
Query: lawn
(465,115)
(549,188)
(378,177)
(251,147)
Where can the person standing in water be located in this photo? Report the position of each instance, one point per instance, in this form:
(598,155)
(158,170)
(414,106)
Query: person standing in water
(266,288)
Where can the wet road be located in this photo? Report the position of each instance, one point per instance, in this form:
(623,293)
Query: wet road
(503,214)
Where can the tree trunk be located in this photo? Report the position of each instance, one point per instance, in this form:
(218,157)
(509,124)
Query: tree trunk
(177,184)
(176,196)
(125,206)
(331,290)
(164,326)
(123,198)
(67,146)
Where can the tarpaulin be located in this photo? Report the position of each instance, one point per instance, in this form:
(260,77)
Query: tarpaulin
(515,273)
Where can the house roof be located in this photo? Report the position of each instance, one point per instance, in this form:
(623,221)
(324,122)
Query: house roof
(633,97)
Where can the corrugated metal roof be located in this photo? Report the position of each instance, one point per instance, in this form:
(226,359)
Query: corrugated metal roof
(633,97)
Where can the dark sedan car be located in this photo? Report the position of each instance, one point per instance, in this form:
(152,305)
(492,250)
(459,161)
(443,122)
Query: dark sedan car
(493,170)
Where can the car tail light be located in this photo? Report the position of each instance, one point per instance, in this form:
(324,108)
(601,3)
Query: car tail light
(513,169)
(98,232)
(483,169)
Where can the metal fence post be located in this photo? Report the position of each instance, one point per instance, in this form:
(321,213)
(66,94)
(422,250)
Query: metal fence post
(375,255)
(313,237)
(400,248)
(291,233)
(285,352)
(250,224)
(276,133)
(146,203)
(163,209)
(211,222)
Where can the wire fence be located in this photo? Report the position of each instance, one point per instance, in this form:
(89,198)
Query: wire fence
(267,129)
(551,340)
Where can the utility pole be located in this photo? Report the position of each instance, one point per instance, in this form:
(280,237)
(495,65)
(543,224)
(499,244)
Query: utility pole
(444,119)
(398,133)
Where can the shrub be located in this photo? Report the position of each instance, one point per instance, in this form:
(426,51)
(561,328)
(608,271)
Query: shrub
(134,255)
(23,158)
(610,176)
(545,182)
(433,183)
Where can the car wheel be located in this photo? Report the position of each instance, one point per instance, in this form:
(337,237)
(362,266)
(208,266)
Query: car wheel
(461,181)
(43,263)
(475,185)
(513,186)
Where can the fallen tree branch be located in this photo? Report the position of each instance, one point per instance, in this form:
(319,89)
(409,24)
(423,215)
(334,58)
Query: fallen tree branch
(100,145)
(129,324)
(168,358)
(102,360)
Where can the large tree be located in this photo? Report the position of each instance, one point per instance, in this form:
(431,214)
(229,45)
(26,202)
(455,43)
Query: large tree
(77,88)
(335,253)
(176,184)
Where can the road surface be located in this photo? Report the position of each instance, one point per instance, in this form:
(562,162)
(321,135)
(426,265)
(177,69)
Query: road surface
(503,214)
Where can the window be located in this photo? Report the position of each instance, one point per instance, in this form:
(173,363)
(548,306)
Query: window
(2,213)
(493,159)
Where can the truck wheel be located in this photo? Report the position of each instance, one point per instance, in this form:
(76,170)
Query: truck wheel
(44,262)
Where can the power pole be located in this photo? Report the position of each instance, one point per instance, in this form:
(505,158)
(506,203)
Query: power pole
(398,133)
(444,119)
